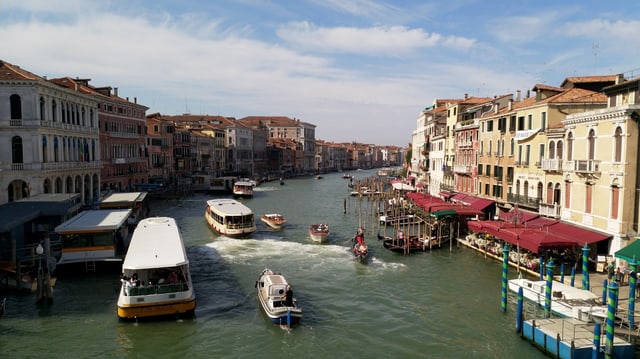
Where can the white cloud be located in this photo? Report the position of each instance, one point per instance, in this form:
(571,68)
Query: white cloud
(380,41)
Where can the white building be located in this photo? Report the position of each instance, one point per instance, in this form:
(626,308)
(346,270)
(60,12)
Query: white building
(49,138)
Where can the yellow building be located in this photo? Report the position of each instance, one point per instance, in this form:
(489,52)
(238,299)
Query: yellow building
(601,165)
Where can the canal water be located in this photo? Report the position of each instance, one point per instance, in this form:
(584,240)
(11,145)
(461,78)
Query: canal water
(439,304)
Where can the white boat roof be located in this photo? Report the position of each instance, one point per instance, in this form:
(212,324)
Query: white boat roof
(243,183)
(100,220)
(229,206)
(156,243)
(129,197)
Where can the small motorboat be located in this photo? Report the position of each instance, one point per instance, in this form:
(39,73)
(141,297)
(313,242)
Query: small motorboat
(319,232)
(415,244)
(276,298)
(273,220)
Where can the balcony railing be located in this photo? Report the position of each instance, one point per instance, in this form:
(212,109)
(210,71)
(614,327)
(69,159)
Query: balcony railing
(50,166)
(462,169)
(551,165)
(582,166)
(549,210)
(523,200)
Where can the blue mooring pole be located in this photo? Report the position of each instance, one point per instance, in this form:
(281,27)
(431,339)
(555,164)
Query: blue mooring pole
(611,319)
(595,354)
(519,317)
(585,266)
(547,291)
(541,267)
(604,291)
(573,275)
(632,290)
(505,264)
(562,272)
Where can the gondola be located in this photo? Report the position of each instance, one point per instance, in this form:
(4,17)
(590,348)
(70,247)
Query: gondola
(361,253)
(415,244)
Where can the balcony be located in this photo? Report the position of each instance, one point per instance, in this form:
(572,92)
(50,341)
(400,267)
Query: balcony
(587,166)
(464,169)
(523,200)
(551,165)
(549,210)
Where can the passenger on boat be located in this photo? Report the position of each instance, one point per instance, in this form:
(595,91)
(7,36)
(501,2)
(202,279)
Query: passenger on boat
(288,297)
(173,278)
(126,283)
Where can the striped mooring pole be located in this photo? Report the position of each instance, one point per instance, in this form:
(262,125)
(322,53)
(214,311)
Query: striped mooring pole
(505,264)
(547,292)
(585,267)
(611,319)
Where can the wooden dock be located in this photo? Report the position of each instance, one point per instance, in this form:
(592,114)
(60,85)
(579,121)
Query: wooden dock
(571,339)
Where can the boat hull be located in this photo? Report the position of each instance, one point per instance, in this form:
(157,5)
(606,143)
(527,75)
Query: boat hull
(273,222)
(270,289)
(182,308)
(318,234)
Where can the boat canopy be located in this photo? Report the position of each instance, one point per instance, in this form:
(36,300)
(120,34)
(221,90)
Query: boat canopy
(120,199)
(156,243)
(101,220)
(228,207)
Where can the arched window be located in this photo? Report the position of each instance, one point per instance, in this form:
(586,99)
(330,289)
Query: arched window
(617,139)
(47,185)
(42,108)
(552,150)
(16,150)
(53,111)
(512,148)
(559,150)
(44,149)
(16,107)
(591,140)
(55,150)
(526,189)
(570,147)
(91,118)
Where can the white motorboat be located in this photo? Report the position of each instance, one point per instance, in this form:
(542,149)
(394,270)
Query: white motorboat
(319,232)
(273,220)
(276,298)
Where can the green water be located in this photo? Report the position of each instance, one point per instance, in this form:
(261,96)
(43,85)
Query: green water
(442,304)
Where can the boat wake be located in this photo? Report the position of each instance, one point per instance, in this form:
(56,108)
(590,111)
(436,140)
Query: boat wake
(247,251)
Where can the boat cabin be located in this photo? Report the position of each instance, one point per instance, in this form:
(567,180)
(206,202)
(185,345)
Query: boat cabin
(94,235)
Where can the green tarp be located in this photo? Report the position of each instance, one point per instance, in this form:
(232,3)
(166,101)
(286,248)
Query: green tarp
(629,252)
(444,213)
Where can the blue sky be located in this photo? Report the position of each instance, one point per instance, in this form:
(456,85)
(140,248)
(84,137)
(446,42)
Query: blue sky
(360,70)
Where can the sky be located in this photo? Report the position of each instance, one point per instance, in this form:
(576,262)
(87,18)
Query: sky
(359,70)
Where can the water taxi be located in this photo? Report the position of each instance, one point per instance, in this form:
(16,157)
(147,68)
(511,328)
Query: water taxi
(229,217)
(94,235)
(273,220)
(156,281)
(276,298)
(243,189)
(319,232)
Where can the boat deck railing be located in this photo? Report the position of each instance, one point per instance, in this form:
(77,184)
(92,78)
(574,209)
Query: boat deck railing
(157,289)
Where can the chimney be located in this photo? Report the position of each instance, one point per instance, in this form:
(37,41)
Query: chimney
(496,107)
(115,91)
(528,93)
(510,104)
(135,100)
(517,95)
(466,96)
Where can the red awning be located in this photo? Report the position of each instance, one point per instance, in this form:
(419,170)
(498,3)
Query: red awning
(477,203)
(541,222)
(519,215)
(481,227)
(445,194)
(458,197)
(534,239)
(467,211)
(579,235)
